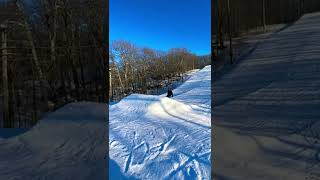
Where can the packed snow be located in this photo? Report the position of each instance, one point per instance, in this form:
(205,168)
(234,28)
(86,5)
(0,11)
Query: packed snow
(67,144)
(267,108)
(155,137)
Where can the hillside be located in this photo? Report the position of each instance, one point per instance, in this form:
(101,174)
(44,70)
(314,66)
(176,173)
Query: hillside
(155,137)
(267,108)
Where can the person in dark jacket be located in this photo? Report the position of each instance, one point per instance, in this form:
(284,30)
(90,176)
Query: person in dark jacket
(170,93)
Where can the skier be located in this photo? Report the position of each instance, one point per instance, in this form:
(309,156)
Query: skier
(170,93)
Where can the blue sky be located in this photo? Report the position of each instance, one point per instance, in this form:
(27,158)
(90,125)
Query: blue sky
(162,24)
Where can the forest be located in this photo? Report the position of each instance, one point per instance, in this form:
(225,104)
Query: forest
(135,70)
(53,52)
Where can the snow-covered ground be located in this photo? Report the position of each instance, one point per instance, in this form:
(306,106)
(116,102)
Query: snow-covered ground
(267,108)
(67,144)
(155,137)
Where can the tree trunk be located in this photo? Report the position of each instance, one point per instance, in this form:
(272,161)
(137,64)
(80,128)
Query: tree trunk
(73,66)
(220,25)
(106,21)
(53,37)
(264,14)
(217,24)
(62,80)
(34,51)
(83,83)
(43,81)
(110,85)
(301,7)
(6,116)
(230,35)
(119,76)
(126,75)
(34,100)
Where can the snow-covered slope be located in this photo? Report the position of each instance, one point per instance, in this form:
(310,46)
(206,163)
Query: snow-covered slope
(267,108)
(67,144)
(155,137)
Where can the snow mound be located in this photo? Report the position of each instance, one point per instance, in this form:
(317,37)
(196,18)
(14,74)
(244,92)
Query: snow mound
(155,137)
(165,108)
(67,144)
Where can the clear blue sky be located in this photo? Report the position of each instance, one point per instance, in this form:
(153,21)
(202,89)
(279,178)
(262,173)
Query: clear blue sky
(162,24)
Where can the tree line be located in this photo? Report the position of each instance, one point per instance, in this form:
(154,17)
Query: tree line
(53,52)
(231,18)
(135,70)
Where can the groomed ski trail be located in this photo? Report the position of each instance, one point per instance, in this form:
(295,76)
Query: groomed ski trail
(266,115)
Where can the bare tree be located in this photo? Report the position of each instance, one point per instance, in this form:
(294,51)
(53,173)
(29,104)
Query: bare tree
(6,117)
(230,32)
(264,14)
